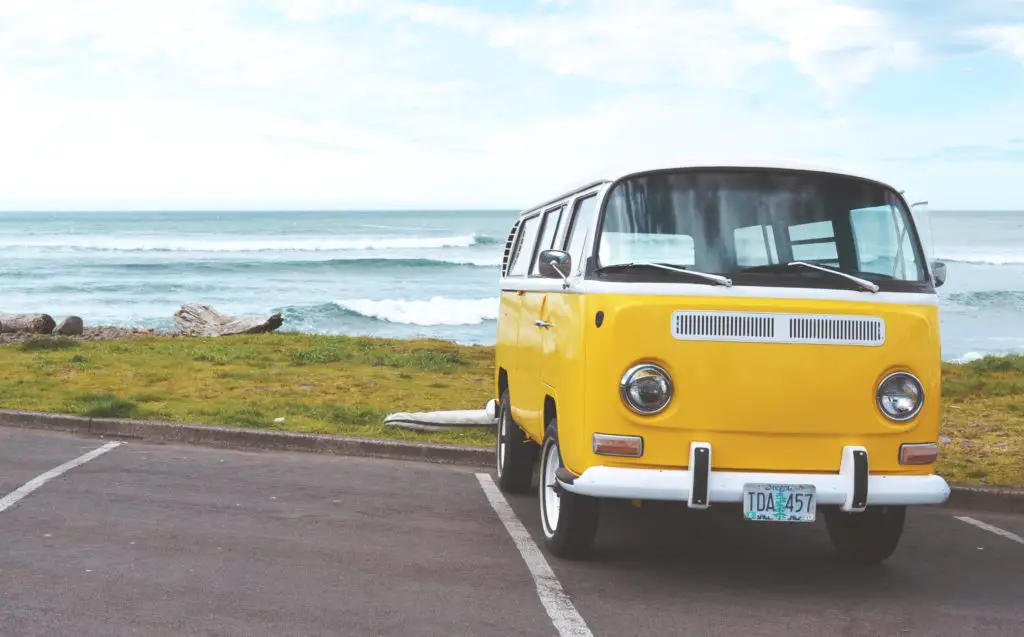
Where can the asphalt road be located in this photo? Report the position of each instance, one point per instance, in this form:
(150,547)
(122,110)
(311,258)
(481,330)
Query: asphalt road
(161,540)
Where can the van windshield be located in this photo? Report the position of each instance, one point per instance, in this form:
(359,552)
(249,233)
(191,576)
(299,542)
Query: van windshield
(753,224)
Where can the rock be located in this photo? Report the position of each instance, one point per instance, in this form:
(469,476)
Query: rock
(27,323)
(71,326)
(202,320)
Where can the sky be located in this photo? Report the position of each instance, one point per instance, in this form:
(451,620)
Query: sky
(268,104)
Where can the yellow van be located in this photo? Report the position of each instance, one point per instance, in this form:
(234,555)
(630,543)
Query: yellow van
(759,336)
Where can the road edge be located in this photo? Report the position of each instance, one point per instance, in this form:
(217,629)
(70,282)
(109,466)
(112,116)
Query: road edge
(158,432)
(993,499)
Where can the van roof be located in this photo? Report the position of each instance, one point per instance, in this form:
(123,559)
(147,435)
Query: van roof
(626,169)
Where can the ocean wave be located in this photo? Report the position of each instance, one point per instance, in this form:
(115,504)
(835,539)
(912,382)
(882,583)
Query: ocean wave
(972,356)
(355,263)
(1009,256)
(90,243)
(989,300)
(431,312)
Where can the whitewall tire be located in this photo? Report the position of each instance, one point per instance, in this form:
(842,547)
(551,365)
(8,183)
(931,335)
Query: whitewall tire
(568,521)
(515,454)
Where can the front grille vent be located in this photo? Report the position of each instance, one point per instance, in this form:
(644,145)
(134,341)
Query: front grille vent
(838,330)
(755,327)
(742,326)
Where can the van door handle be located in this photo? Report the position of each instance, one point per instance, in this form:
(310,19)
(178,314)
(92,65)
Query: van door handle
(543,324)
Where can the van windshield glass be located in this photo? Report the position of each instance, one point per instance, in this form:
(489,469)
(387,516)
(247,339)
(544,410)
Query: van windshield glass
(754,223)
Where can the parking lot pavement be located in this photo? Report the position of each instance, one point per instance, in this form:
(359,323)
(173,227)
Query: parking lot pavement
(1004,524)
(184,541)
(665,570)
(161,540)
(24,456)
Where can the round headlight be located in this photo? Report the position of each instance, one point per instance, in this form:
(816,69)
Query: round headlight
(646,389)
(900,396)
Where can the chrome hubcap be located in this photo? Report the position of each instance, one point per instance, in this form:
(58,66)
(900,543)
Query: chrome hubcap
(550,499)
(502,436)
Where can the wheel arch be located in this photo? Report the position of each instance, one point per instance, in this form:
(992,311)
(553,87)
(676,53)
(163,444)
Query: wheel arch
(502,382)
(550,413)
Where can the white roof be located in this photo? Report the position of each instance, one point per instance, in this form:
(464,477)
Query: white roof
(627,168)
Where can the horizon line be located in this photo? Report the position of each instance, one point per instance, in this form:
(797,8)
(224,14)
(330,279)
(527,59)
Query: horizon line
(350,209)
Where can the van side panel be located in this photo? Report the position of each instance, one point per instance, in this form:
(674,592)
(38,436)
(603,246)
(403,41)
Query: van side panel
(527,391)
(762,406)
(564,361)
(507,336)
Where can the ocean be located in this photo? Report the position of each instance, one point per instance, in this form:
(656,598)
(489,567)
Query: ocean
(391,273)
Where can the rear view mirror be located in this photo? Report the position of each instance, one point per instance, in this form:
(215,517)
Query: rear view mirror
(555,264)
(938,273)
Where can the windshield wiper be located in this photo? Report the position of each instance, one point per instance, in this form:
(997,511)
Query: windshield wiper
(863,283)
(714,278)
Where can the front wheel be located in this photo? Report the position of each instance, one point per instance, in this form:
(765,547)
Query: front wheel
(569,520)
(868,537)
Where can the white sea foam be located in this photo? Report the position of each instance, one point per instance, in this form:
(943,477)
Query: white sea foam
(987,256)
(435,311)
(139,243)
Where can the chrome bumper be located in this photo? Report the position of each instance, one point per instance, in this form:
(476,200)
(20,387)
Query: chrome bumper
(852,489)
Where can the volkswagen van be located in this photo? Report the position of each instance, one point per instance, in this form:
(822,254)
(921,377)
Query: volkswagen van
(762,337)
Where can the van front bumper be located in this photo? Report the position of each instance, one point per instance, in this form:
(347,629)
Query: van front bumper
(852,488)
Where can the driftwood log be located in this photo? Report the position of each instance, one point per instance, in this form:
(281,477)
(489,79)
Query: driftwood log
(194,319)
(27,323)
(440,420)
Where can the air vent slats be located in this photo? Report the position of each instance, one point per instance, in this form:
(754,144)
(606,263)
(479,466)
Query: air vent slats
(508,248)
(778,328)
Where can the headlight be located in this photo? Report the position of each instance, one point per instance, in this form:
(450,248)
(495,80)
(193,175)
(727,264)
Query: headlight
(646,389)
(900,396)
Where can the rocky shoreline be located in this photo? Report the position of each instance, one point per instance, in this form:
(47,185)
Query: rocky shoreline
(193,319)
(102,333)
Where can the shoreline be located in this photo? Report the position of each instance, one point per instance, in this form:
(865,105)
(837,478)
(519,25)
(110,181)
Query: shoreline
(116,332)
(98,333)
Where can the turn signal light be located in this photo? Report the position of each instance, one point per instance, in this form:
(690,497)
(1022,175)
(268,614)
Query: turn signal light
(919,453)
(612,445)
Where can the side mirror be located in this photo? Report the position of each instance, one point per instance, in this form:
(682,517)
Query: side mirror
(555,264)
(938,273)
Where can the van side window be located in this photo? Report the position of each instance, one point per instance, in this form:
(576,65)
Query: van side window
(579,229)
(814,242)
(525,250)
(755,245)
(552,219)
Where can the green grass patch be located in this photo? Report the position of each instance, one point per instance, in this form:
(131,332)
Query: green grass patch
(344,385)
(322,384)
(429,357)
(48,344)
(983,418)
(102,406)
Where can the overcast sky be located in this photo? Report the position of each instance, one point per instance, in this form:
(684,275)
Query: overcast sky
(494,103)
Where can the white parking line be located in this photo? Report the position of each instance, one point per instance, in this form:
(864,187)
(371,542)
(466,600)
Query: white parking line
(14,497)
(563,614)
(992,529)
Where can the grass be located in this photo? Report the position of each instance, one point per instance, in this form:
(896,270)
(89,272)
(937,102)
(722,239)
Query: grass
(345,385)
(983,418)
(322,384)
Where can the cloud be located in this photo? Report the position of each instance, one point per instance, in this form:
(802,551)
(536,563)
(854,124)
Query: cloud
(969,154)
(1007,38)
(416,103)
(840,46)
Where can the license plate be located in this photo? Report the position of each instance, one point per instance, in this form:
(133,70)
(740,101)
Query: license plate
(779,502)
